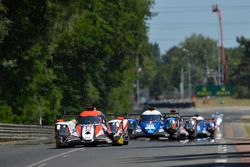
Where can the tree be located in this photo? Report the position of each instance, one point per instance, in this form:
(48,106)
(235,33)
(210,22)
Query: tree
(58,56)
(25,74)
(4,22)
(241,76)
(200,50)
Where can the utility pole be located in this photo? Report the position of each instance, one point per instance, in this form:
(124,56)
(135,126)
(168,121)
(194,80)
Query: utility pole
(216,9)
(182,84)
(137,80)
(189,78)
(39,111)
(189,74)
(219,67)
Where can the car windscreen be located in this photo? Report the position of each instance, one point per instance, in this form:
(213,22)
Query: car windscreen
(170,122)
(113,126)
(147,118)
(201,123)
(62,130)
(89,119)
(132,124)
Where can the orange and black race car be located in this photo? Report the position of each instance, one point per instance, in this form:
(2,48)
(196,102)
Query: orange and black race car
(92,128)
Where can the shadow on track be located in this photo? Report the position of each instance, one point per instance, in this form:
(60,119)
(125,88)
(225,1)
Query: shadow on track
(187,145)
(217,165)
(156,159)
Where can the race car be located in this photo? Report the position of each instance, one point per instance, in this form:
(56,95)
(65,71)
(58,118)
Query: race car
(132,124)
(218,118)
(118,131)
(172,124)
(198,127)
(66,133)
(190,125)
(150,125)
(211,126)
(91,125)
(201,130)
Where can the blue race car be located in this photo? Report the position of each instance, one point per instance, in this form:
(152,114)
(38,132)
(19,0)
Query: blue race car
(132,124)
(172,123)
(203,128)
(150,125)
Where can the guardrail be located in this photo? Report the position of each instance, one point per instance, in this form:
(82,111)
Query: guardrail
(17,133)
(174,104)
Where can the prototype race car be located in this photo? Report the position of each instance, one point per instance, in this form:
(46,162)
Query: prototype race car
(132,124)
(66,133)
(218,118)
(211,126)
(190,125)
(92,127)
(172,124)
(150,125)
(201,128)
(118,131)
(198,127)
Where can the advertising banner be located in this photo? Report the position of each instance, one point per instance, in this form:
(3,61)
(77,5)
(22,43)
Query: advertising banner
(213,90)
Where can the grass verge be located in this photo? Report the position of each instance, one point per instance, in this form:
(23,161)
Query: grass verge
(221,101)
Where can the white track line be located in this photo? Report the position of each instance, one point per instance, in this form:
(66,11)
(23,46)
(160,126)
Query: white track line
(221,149)
(41,165)
(55,156)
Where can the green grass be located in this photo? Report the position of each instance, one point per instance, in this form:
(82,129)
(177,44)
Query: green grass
(222,101)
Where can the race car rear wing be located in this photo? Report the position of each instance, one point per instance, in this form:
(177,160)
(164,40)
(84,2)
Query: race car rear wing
(125,115)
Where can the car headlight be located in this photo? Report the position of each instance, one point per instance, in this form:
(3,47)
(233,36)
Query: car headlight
(138,130)
(161,130)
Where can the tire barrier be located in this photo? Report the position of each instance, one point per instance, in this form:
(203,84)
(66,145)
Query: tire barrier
(23,134)
(170,104)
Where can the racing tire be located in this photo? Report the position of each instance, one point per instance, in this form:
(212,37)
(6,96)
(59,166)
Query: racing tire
(90,144)
(58,145)
(212,135)
(125,143)
(116,144)
(170,138)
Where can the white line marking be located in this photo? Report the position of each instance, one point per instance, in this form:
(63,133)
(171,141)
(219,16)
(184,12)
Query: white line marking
(41,165)
(55,156)
(221,161)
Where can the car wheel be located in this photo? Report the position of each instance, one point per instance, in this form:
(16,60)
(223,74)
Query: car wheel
(58,144)
(125,142)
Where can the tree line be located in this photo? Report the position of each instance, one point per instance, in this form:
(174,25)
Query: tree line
(202,52)
(59,56)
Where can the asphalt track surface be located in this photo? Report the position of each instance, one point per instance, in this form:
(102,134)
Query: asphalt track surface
(230,148)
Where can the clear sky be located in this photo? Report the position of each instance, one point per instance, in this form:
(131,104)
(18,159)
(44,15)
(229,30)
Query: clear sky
(178,19)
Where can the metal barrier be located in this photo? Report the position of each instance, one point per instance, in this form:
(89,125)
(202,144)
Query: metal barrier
(16,133)
(174,104)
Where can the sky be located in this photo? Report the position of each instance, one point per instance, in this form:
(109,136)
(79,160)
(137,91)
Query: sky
(179,19)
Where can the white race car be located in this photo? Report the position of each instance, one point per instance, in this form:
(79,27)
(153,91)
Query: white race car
(118,131)
(66,133)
